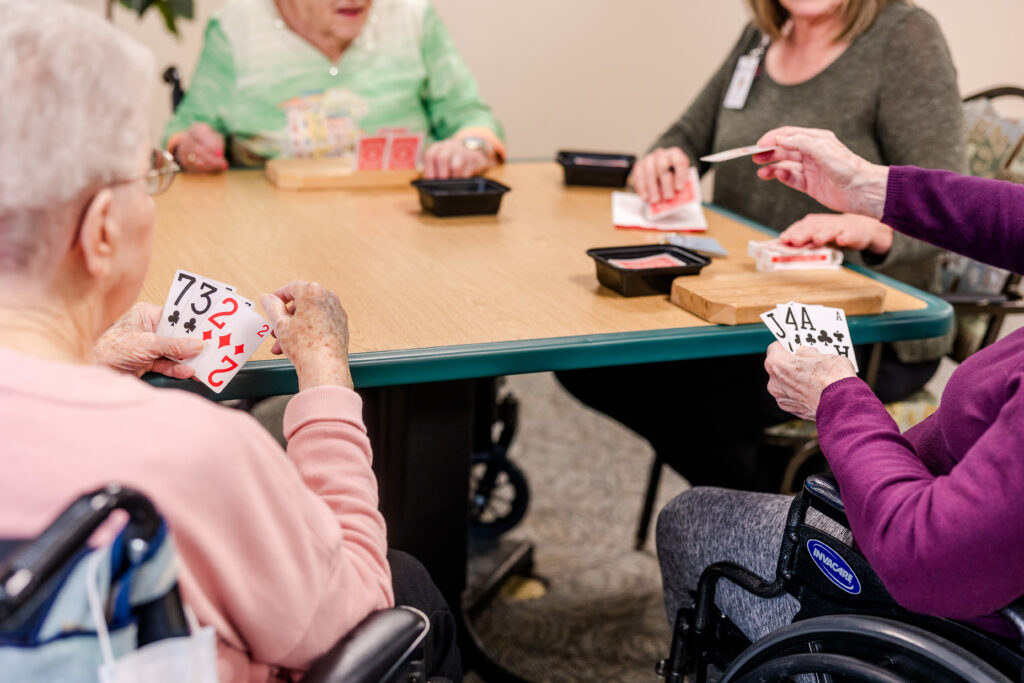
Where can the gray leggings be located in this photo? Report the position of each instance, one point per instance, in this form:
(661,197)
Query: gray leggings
(702,526)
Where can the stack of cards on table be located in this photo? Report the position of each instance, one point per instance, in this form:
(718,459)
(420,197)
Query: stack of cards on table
(817,327)
(198,307)
(647,262)
(390,149)
(773,255)
(683,212)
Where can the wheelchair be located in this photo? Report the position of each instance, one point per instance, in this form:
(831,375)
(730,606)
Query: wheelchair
(47,631)
(848,627)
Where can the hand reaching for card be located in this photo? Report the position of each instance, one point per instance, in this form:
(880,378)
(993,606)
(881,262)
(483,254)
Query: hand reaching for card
(451,159)
(661,174)
(843,230)
(815,162)
(311,328)
(797,379)
(131,345)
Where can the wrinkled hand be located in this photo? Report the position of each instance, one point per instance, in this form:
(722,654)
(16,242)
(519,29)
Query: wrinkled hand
(311,329)
(201,150)
(796,380)
(131,345)
(842,230)
(815,162)
(450,159)
(661,174)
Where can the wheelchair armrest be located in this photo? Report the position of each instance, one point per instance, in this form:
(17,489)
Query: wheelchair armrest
(374,650)
(1014,612)
(822,491)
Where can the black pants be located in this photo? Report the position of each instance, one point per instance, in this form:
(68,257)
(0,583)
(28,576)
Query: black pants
(414,587)
(705,417)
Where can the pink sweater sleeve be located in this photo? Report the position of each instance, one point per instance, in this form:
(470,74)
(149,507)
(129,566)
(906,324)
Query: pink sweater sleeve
(942,545)
(285,554)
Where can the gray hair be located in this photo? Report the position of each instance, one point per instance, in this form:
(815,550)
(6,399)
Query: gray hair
(72,120)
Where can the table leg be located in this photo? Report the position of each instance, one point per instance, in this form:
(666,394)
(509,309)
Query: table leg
(422,438)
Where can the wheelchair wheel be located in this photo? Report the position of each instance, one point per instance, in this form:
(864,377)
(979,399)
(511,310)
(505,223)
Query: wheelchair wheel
(499,496)
(859,648)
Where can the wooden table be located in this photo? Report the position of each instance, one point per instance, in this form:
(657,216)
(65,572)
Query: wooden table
(433,299)
(433,303)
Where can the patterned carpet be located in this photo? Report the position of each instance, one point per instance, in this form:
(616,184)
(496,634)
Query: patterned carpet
(601,616)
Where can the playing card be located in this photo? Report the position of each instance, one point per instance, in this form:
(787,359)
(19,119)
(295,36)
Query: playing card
(773,255)
(372,153)
(628,211)
(736,153)
(833,335)
(646,262)
(708,246)
(231,334)
(404,152)
(199,303)
(597,161)
(667,207)
(189,292)
(817,327)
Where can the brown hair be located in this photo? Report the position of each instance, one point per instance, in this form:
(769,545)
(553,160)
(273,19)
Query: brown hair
(857,16)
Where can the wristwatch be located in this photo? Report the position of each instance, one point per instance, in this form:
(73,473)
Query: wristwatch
(478,144)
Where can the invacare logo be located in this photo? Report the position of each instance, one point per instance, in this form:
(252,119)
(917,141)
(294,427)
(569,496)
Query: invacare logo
(833,566)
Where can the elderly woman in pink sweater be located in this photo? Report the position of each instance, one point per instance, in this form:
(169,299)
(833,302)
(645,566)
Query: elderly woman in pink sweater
(282,553)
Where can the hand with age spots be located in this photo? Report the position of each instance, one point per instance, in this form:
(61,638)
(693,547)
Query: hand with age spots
(797,379)
(131,345)
(311,329)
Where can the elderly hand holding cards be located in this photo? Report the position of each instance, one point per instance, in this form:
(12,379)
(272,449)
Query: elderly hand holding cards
(813,348)
(815,162)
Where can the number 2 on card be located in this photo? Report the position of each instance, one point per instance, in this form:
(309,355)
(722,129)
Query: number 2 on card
(231,366)
(213,318)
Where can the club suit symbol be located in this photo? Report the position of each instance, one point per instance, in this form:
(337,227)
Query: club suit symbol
(173,318)
(190,326)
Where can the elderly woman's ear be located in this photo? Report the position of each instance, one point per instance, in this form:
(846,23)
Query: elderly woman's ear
(99,235)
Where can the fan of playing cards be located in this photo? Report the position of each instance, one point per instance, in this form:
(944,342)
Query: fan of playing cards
(198,307)
(817,327)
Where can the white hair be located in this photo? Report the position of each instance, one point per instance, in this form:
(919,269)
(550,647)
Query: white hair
(73,97)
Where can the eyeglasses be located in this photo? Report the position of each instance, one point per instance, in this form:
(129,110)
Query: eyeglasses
(160,175)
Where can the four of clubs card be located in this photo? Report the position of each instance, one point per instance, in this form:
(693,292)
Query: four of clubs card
(818,327)
(231,330)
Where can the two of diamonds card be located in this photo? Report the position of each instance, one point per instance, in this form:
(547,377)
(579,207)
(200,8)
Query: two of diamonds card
(202,308)
(818,327)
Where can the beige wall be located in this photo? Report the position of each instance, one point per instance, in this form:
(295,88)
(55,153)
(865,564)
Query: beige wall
(611,74)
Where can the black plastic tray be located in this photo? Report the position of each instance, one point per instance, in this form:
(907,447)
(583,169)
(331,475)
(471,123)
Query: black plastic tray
(596,168)
(461,196)
(631,282)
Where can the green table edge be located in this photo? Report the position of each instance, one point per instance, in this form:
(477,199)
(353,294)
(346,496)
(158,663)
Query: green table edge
(442,363)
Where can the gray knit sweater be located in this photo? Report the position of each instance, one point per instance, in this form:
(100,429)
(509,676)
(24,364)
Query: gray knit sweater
(891,97)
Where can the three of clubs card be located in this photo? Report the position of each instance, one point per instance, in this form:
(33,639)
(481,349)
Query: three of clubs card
(231,330)
(817,327)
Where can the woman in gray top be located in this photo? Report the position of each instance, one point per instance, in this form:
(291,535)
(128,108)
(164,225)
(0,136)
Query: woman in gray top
(879,74)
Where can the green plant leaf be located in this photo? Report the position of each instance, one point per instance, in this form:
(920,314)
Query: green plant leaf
(170,10)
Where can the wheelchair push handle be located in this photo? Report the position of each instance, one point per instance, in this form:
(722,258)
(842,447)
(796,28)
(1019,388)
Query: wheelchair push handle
(35,561)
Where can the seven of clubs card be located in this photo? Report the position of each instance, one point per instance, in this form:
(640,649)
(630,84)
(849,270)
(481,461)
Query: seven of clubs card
(201,308)
(817,327)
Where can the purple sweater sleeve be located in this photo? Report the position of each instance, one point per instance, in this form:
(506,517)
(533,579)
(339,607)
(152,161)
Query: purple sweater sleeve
(977,217)
(948,545)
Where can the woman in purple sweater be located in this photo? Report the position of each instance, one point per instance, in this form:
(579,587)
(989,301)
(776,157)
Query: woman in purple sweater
(939,510)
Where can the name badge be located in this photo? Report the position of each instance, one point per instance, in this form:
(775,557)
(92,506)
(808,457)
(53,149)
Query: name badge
(742,79)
